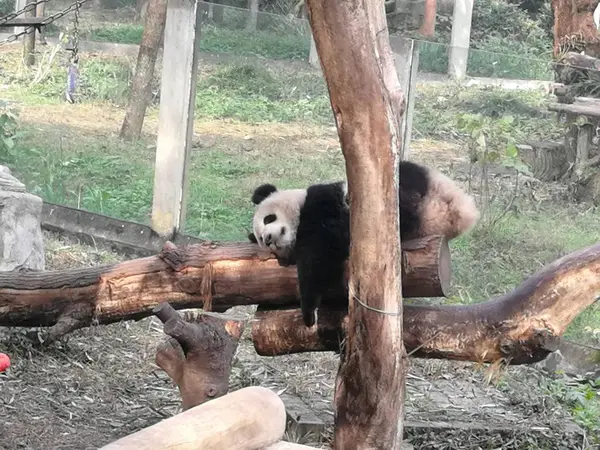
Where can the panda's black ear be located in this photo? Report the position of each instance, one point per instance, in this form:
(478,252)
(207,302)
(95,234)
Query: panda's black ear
(252,238)
(262,192)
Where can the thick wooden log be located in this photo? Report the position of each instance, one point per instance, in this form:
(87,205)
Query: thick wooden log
(199,353)
(209,275)
(247,419)
(368,105)
(520,327)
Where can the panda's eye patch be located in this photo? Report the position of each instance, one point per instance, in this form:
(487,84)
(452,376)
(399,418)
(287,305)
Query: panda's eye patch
(282,231)
(270,219)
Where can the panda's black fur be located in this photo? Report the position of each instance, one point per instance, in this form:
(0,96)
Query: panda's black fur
(322,241)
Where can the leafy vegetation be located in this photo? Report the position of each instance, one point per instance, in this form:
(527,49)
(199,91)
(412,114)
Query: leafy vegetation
(583,399)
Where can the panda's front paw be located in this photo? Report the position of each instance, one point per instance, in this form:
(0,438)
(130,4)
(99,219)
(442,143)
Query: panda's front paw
(284,262)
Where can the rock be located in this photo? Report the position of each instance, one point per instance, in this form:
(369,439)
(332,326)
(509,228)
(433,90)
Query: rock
(573,359)
(21,240)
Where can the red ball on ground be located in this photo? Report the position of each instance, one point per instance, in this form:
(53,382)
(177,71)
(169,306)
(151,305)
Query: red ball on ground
(4,362)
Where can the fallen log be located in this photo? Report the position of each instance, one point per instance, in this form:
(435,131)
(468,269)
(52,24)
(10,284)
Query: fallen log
(209,275)
(199,353)
(248,419)
(520,327)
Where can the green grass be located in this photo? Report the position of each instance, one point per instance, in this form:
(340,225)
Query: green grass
(437,110)
(495,62)
(251,93)
(267,44)
(245,92)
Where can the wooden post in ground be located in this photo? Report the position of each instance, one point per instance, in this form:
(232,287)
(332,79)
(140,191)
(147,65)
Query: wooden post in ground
(367,103)
(19,5)
(460,39)
(406,57)
(313,56)
(40,11)
(252,15)
(29,39)
(176,116)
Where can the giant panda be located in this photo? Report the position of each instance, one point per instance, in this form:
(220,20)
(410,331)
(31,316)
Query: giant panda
(311,227)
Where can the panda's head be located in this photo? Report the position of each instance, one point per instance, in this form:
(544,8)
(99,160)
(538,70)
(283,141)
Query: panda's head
(276,218)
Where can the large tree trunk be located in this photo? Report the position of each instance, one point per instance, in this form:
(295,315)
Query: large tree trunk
(520,327)
(574,27)
(428,24)
(141,86)
(367,103)
(208,275)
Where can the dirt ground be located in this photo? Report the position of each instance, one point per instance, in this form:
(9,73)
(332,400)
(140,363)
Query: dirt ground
(102,383)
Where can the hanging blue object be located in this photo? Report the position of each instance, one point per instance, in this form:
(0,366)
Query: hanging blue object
(72,75)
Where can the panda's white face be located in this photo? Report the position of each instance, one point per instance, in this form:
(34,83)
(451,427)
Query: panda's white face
(276,220)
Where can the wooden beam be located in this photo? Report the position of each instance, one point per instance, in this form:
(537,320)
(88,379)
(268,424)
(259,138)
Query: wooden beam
(247,419)
(23,21)
(406,58)
(460,39)
(176,116)
(367,103)
(313,56)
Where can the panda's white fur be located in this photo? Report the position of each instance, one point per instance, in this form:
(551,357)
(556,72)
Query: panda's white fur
(285,205)
(446,209)
(310,227)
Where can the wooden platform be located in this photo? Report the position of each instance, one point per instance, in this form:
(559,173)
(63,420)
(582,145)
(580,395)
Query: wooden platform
(583,106)
(24,22)
(578,139)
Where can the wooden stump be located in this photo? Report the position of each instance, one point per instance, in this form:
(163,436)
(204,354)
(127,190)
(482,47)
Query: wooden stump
(548,161)
(199,353)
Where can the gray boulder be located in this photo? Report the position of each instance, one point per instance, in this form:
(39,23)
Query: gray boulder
(21,240)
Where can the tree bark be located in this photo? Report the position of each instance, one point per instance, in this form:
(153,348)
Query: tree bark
(29,39)
(520,327)
(428,25)
(215,276)
(574,27)
(367,103)
(199,353)
(247,419)
(141,86)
